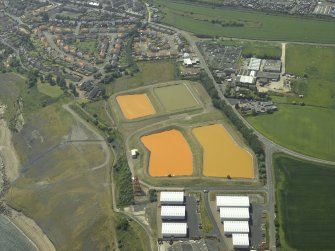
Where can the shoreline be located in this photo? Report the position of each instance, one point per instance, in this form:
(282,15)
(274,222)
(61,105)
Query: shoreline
(25,225)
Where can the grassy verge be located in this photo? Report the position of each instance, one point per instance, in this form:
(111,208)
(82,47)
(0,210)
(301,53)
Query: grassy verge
(206,21)
(305,200)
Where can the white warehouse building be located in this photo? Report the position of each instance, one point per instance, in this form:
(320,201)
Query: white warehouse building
(174,229)
(234,213)
(173,212)
(240,240)
(171,198)
(232,201)
(230,227)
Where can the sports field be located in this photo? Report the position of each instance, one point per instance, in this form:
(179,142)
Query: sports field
(306,204)
(170,154)
(135,106)
(228,22)
(222,156)
(175,97)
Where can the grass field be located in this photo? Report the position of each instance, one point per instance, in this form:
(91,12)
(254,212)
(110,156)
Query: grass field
(255,25)
(150,73)
(170,154)
(135,106)
(175,97)
(257,49)
(307,129)
(49,90)
(222,156)
(306,204)
(98,108)
(89,46)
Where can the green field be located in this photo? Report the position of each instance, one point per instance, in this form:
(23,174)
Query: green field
(89,46)
(150,73)
(307,129)
(49,90)
(257,49)
(175,97)
(306,204)
(200,19)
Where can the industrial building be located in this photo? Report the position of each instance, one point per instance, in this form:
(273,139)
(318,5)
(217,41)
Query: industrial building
(174,229)
(268,76)
(171,198)
(272,66)
(234,213)
(173,212)
(246,80)
(230,227)
(232,201)
(254,64)
(240,240)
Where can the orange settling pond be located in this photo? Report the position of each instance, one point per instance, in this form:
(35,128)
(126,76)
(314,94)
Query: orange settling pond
(170,154)
(222,156)
(135,106)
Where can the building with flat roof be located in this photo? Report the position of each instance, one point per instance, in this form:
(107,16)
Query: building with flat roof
(171,198)
(173,212)
(232,201)
(270,76)
(230,227)
(234,213)
(174,229)
(240,240)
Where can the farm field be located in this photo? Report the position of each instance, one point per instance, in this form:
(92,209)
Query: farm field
(306,129)
(135,106)
(170,154)
(222,156)
(175,97)
(306,204)
(244,24)
(47,89)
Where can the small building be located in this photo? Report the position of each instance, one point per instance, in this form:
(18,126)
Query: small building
(232,201)
(270,76)
(187,62)
(234,213)
(240,240)
(174,229)
(230,227)
(173,212)
(171,198)
(134,153)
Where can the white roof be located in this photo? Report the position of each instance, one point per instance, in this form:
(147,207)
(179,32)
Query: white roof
(240,239)
(172,196)
(232,201)
(187,61)
(178,228)
(234,212)
(236,226)
(173,211)
(134,151)
(252,74)
(247,79)
(93,3)
(255,64)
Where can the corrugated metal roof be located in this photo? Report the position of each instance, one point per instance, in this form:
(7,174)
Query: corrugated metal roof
(234,213)
(178,211)
(232,201)
(236,226)
(240,240)
(171,228)
(172,197)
